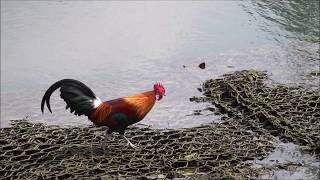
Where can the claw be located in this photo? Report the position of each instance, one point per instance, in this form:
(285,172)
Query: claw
(130,143)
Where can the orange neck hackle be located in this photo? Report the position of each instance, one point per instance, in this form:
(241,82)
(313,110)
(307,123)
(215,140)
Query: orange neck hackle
(143,102)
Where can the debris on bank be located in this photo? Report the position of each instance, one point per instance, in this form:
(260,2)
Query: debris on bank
(31,151)
(292,113)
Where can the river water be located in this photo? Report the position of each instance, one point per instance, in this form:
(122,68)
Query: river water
(121,48)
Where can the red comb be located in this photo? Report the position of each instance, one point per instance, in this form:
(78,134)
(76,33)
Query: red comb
(158,85)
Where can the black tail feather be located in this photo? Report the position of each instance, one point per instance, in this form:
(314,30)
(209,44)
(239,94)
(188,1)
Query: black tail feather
(78,96)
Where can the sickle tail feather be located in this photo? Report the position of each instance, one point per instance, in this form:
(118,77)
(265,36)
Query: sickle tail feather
(78,97)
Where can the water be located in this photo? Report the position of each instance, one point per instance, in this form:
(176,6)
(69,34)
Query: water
(121,48)
(287,162)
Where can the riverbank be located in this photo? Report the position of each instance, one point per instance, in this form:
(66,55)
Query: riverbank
(34,150)
(257,121)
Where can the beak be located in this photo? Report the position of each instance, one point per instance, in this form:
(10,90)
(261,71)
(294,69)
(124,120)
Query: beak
(159,97)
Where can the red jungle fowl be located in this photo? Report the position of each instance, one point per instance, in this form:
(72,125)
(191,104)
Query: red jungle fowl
(114,115)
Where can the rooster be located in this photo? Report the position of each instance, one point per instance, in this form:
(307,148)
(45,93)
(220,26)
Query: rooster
(114,115)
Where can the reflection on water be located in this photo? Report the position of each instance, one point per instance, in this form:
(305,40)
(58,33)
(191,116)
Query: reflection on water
(297,19)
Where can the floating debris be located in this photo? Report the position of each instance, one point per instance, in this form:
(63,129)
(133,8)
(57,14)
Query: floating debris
(315,73)
(202,65)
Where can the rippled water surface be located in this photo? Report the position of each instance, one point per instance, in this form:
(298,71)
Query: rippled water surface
(121,48)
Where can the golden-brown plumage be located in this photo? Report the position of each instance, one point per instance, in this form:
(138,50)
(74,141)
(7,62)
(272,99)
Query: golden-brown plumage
(119,113)
(101,114)
(143,102)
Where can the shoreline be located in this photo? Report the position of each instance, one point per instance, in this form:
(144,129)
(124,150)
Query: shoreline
(249,142)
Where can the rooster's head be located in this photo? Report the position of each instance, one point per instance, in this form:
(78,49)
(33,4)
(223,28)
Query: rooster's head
(160,90)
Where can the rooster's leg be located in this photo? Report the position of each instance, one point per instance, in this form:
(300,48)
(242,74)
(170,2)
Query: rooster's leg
(106,136)
(91,146)
(130,143)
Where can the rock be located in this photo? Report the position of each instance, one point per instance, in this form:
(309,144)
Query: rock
(202,65)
